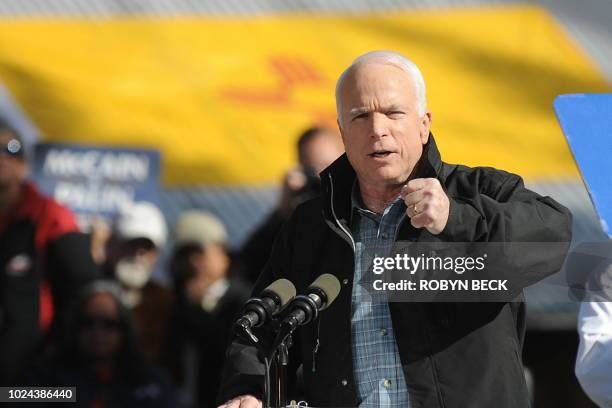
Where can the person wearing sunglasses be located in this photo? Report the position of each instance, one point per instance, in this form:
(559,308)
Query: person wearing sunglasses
(99,355)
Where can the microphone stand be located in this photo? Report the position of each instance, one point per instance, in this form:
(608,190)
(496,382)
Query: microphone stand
(276,358)
(281,362)
(279,352)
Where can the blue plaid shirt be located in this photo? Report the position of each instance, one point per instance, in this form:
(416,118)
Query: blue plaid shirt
(377,367)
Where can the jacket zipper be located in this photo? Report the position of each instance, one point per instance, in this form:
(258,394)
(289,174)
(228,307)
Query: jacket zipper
(315,349)
(331,182)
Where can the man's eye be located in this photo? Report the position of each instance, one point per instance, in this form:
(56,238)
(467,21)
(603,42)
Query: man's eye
(395,114)
(360,116)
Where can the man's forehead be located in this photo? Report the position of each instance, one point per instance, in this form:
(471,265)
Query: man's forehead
(102,301)
(382,98)
(379,80)
(376,73)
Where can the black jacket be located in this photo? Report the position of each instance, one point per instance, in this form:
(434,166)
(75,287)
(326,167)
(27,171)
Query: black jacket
(454,355)
(207,332)
(44,261)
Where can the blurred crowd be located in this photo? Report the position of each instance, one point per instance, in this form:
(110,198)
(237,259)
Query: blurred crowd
(82,308)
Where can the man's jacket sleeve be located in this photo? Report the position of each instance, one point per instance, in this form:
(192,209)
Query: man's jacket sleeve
(530,234)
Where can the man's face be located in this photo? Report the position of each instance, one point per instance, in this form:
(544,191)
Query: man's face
(211,263)
(382,131)
(321,151)
(100,332)
(135,262)
(208,266)
(13,168)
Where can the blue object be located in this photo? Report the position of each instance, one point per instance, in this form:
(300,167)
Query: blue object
(94,180)
(586,121)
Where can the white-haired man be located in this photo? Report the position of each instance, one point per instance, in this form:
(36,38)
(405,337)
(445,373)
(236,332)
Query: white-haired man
(391,186)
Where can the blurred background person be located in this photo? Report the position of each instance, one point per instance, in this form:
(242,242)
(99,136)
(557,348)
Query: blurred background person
(44,259)
(99,355)
(208,300)
(317,148)
(139,236)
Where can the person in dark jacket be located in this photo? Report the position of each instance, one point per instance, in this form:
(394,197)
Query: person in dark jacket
(138,238)
(99,355)
(44,260)
(391,186)
(208,299)
(317,148)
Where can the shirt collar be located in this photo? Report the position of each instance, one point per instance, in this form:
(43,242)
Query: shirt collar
(356,200)
(358,205)
(214,293)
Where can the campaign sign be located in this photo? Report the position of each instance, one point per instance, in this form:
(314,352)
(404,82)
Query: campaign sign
(586,120)
(97,180)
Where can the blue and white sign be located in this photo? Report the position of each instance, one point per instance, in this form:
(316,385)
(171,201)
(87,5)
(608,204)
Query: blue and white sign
(586,120)
(97,180)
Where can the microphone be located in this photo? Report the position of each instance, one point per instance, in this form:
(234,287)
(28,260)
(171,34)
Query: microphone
(259,310)
(305,308)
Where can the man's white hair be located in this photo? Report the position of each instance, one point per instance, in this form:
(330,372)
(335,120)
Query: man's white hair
(386,58)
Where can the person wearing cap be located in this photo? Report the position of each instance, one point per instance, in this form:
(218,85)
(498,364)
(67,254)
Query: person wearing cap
(208,298)
(44,259)
(139,235)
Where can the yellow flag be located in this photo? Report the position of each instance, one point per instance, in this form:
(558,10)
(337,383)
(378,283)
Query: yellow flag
(224,99)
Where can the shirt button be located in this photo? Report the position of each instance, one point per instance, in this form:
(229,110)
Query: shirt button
(385,235)
(344,383)
(383,332)
(387,383)
(345,281)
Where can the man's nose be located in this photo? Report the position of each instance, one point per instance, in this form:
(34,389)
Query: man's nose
(379,128)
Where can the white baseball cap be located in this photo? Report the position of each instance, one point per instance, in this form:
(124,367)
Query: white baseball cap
(199,228)
(142,220)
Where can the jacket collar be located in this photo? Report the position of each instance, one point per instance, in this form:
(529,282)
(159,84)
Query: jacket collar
(337,181)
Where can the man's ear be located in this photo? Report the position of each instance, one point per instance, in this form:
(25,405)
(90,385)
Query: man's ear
(425,127)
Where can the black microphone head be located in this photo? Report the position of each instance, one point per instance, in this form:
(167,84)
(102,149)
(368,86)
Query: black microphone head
(328,284)
(283,289)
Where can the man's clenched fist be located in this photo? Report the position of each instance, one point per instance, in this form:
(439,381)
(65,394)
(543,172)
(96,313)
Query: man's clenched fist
(427,204)
(243,401)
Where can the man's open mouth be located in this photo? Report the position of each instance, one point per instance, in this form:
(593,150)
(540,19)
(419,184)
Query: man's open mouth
(380,153)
